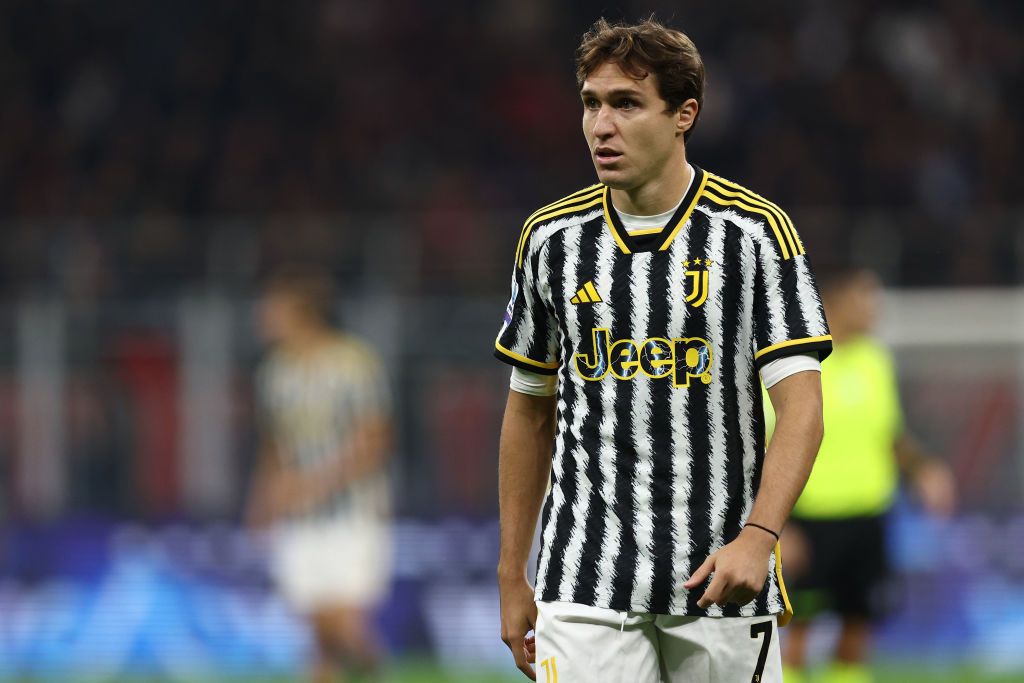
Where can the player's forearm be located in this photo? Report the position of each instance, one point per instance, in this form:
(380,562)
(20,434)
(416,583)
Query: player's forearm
(790,456)
(524,464)
(372,449)
(267,463)
(369,450)
(258,503)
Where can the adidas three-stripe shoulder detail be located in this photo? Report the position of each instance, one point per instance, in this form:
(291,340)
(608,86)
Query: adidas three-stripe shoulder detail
(577,201)
(727,193)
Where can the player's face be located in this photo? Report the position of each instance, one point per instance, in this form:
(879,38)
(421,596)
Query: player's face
(866,303)
(632,136)
(278,317)
(856,307)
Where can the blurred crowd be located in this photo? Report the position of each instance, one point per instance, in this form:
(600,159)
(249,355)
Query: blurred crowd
(146,146)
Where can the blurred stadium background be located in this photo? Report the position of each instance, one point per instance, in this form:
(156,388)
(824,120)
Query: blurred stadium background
(158,159)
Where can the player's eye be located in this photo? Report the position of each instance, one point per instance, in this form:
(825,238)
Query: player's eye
(627,103)
(591,103)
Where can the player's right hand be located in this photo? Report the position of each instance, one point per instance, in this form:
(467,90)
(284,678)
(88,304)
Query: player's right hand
(518,618)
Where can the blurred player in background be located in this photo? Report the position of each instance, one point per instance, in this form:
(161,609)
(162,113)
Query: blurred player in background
(835,544)
(643,310)
(321,481)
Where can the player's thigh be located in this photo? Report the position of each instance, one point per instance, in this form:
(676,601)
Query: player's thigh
(864,572)
(825,541)
(346,624)
(710,650)
(582,644)
(815,590)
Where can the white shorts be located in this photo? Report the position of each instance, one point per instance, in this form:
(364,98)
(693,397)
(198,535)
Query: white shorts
(328,563)
(581,644)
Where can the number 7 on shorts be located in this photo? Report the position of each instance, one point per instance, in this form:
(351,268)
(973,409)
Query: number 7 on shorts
(756,630)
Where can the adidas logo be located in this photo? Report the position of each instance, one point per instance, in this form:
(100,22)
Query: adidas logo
(587,295)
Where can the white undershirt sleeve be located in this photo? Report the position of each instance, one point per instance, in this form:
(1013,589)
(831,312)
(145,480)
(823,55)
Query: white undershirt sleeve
(774,372)
(533,383)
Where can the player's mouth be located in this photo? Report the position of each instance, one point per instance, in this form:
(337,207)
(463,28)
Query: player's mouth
(606,156)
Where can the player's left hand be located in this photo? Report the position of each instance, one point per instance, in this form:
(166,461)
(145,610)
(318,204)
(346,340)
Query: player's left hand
(936,488)
(739,570)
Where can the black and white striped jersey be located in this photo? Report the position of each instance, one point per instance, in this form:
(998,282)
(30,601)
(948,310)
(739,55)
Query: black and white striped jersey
(313,406)
(656,339)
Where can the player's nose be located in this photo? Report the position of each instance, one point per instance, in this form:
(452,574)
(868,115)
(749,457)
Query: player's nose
(604,124)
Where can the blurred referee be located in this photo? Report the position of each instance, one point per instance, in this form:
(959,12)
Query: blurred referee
(835,540)
(321,480)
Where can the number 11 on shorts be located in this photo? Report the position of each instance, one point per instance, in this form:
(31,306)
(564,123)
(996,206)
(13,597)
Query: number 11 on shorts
(550,671)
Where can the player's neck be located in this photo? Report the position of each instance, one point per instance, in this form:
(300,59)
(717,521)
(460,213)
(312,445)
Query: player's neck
(657,195)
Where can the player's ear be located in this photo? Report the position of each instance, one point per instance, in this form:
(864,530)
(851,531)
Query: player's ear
(686,115)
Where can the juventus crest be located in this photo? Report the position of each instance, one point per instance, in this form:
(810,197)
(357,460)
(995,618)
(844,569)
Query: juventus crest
(697,281)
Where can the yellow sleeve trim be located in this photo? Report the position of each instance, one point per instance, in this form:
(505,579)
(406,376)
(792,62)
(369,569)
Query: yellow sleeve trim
(787,613)
(524,359)
(792,342)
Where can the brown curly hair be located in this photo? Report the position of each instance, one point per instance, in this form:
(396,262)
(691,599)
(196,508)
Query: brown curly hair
(644,49)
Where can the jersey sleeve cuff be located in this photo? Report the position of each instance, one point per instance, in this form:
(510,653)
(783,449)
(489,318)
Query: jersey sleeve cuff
(821,345)
(520,361)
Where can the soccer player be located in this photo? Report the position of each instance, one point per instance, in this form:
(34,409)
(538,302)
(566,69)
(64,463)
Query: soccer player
(837,534)
(321,479)
(643,310)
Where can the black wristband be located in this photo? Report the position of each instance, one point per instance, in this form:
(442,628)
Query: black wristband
(762,528)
